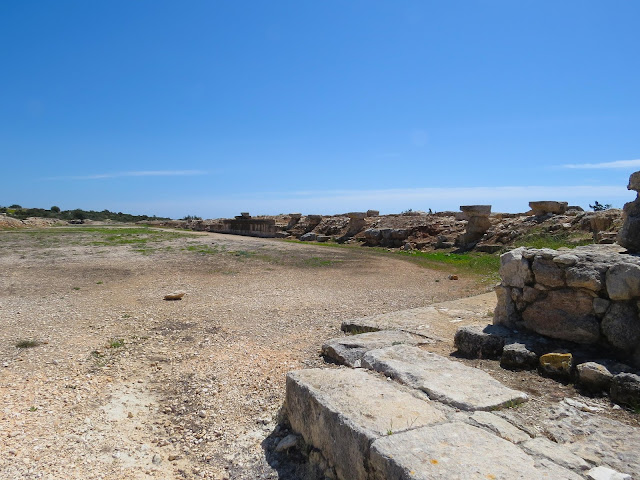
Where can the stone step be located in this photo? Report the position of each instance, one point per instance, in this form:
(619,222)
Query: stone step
(342,411)
(457,451)
(443,317)
(349,350)
(446,381)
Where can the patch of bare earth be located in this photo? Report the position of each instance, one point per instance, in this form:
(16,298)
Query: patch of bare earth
(122,384)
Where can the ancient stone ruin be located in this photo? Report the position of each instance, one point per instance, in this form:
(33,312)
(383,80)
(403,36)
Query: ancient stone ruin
(545,207)
(478,223)
(244,224)
(588,295)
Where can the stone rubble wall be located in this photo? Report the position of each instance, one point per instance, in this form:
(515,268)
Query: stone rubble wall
(586,295)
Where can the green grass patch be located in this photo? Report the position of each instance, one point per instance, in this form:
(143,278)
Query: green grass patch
(552,240)
(116,343)
(315,262)
(483,265)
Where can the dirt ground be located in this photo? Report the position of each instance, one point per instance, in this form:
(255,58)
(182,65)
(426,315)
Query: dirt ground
(103,379)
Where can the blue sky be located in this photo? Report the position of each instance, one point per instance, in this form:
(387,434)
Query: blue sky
(214,107)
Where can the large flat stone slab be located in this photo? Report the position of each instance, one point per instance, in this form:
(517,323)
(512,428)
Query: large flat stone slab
(456,451)
(342,411)
(444,318)
(446,381)
(349,350)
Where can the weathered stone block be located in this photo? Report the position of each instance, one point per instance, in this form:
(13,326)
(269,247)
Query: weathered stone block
(594,376)
(441,379)
(625,389)
(349,350)
(499,426)
(505,312)
(342,411)
(548,206)
(623,281)
(514,269)
(481,342)
(558,454)
(456,451)
(547,272)
(476,210)
(586,275)
(518,356)
(565,314)
(621,326)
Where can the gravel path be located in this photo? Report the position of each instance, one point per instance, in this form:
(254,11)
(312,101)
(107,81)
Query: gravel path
(123,384)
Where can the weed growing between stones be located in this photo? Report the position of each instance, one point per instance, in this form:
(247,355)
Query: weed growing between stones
(28,343)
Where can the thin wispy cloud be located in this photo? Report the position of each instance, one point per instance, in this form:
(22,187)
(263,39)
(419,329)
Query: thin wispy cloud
(605,165)
(142,173)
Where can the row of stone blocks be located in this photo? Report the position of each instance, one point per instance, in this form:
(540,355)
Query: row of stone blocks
(586,367)
(433,422)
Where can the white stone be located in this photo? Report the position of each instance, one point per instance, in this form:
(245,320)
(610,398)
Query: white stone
(604,473)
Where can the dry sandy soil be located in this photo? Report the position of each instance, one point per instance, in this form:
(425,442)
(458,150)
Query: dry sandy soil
(119,383)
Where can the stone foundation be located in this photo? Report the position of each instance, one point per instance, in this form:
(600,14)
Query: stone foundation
(588,295)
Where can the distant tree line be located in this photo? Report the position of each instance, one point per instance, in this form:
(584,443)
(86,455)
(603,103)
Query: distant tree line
(17,211)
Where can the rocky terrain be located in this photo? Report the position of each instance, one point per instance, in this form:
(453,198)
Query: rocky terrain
(104,379)
(443,230)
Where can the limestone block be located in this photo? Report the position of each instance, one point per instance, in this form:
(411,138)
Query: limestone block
(600,305)
(518,356)
(623,281)
(373,213)
(621,326)
(446,381)
(625,389)
(547,272)
(514,269)
(548,206)
(308,237)
(586,275)
(565,314)
(456,451)
(476,210)
(499,426)
(558,454)
(594,376)
(323,238)
(505,312)
(357,215)
(556,364)
(342,411)
(481,342)
(477,225)
(566,260)
(350,349)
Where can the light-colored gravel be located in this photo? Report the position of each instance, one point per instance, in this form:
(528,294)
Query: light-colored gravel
(124,384)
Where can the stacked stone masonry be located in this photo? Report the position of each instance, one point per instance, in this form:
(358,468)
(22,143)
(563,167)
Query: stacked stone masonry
(588,295)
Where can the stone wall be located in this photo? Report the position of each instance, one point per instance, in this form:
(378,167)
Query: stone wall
(587,295)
